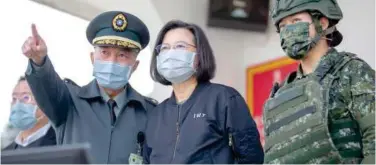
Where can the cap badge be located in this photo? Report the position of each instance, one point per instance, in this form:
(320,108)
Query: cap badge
(119,23)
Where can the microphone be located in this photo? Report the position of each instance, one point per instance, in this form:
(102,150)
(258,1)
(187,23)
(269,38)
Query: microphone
(140,142)
(140,137)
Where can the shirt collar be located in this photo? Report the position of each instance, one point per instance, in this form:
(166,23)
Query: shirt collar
(104,95)
(32,137)
(119,99)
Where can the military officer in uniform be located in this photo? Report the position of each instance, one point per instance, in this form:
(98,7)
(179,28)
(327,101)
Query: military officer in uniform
(325,111)
(107,113)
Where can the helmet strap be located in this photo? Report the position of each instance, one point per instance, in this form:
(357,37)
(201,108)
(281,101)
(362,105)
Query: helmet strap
(320,32)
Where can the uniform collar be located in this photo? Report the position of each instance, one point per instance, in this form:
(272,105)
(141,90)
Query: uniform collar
(92,91)
(325,64)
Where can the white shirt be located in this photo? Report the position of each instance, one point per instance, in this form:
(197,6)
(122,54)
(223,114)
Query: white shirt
(32,137)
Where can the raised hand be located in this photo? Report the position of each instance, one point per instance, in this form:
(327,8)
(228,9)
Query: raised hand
(34,47)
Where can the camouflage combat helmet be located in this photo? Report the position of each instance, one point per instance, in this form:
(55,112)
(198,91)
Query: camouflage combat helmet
(328,8)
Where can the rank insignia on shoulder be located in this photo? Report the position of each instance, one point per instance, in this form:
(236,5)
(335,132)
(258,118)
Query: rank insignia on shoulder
(119,23)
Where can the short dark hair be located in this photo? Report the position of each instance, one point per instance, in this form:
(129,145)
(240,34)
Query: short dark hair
(206,66)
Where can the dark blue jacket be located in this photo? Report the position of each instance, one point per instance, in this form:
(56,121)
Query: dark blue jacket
(213,126)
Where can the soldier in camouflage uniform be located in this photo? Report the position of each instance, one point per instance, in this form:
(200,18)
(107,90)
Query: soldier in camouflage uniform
(325,111)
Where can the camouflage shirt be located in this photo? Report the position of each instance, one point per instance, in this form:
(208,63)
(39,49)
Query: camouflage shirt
(354,90)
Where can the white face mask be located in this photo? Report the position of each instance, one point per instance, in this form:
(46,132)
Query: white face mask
(176,66)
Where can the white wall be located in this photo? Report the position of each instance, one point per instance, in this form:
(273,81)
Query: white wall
(56,30)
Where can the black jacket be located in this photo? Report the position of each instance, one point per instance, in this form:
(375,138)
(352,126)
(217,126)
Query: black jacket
(213,126)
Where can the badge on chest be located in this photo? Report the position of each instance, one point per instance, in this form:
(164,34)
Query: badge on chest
(135,159)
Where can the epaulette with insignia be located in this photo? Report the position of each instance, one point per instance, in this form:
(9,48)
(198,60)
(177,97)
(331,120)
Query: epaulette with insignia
(69,81)
(151,101)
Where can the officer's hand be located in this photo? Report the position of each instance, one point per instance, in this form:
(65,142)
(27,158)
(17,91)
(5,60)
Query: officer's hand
(34,47)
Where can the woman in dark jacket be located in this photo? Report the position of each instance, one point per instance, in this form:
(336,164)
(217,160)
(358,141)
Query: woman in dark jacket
(202,122)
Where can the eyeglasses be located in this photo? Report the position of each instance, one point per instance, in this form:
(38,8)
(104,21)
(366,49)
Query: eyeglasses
(178,45)
(24,98)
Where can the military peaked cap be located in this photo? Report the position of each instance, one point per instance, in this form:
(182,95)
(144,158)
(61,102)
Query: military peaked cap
(119,29)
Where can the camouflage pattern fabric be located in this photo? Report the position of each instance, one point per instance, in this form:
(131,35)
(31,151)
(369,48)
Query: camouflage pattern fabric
(317,8)
(352,97)
(350,100)
(295,40)
(283,8)
(295,122)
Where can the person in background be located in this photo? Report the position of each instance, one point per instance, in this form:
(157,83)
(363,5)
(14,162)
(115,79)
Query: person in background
(26,116)
(202,122)
(107,113)
(324,113)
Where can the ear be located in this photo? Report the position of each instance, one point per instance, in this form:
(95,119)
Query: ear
(135,66)
(92,57)
(324,23)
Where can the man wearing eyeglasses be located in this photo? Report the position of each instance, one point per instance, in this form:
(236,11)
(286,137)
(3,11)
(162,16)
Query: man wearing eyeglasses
(26,116)
(107,113)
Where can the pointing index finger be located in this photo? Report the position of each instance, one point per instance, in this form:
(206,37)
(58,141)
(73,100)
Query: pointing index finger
(34,32)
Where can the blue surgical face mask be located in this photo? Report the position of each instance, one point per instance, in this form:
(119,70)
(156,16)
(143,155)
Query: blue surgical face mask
(111,75)
(176,66)
(22,116)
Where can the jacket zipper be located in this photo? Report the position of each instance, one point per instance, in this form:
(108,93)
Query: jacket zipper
(231,144)
(177,133)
